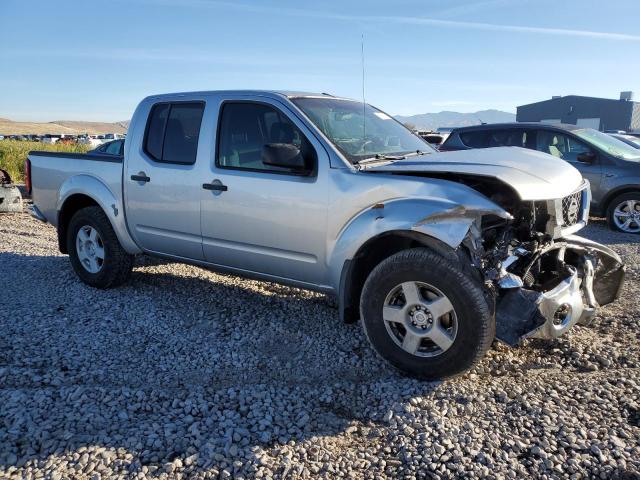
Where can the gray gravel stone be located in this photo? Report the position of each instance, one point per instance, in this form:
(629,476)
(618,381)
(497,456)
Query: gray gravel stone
(185,373)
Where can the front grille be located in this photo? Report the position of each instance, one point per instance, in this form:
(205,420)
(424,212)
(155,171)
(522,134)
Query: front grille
(572,209)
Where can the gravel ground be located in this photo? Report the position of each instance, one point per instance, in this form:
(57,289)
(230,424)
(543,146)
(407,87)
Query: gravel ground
(184,373)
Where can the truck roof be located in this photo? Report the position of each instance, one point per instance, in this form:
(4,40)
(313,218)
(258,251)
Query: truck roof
(264,93)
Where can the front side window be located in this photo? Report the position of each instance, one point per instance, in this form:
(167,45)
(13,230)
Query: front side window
(173,130)
(245,130)
(360,131)
(560,145)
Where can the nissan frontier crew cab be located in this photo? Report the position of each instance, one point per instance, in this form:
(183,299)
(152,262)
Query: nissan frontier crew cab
(436,253)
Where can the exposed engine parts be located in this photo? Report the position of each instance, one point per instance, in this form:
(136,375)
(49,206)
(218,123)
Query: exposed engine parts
(543,280)
(541,290)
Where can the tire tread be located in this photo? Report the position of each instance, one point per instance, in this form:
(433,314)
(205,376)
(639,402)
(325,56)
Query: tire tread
(424,256)
(119,263)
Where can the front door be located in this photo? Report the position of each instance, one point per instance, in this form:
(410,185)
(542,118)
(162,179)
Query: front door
(569,148)
(162,184)
(263,218)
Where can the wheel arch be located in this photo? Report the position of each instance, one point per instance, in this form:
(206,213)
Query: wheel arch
(72,204)
(74,195)
(612,194)
(356,270)
(388,227)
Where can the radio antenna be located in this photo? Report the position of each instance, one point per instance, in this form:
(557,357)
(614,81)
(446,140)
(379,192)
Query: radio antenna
(364,127)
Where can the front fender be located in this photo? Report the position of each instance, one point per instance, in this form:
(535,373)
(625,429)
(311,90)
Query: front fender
(442,219)
(95,189)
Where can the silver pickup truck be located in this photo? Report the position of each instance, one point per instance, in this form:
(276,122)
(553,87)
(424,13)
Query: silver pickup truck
(437,254)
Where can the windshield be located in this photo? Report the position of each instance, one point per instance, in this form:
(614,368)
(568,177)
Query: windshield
(360,131)
(609,144)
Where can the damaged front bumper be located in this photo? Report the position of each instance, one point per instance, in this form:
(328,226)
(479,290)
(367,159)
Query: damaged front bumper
(543,294)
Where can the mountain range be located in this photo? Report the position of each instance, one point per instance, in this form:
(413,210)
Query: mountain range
(431,121)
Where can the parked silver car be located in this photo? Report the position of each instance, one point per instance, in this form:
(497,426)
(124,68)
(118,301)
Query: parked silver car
(434,252)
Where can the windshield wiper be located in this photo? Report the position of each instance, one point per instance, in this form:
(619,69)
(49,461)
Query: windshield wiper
(417,153)
(379,158)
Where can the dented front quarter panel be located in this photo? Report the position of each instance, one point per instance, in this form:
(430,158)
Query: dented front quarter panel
(439,209)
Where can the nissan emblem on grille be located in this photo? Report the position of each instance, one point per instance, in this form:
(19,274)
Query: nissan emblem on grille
(572,211)
(571,208)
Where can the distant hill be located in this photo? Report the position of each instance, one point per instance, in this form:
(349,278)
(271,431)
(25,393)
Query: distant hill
(431,121)
(9,127)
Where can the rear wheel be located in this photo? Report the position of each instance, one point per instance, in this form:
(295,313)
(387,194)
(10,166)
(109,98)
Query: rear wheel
(425,316)
(94,250)
(623,213)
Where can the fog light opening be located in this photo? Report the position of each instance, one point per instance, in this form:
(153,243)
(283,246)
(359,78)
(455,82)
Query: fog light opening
(562,315)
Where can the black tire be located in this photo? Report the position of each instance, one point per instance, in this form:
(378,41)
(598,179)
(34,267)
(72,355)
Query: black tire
(612,206)
(475,324)
(117,263)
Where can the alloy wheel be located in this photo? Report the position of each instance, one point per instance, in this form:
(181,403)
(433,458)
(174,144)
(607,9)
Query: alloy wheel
(420,319)
(90,249)
(626,216)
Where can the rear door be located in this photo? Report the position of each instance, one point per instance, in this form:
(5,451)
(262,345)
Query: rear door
(162,183)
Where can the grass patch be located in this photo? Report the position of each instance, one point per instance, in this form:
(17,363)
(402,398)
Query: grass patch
(14,153)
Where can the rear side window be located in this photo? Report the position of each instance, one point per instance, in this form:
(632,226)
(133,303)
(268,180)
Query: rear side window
(478,139)
(173,130)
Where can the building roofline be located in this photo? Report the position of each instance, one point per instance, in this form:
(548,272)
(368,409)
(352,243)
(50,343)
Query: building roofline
(581,97)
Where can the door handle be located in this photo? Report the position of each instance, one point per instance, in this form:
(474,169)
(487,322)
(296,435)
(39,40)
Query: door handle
(215,185)
(140,177)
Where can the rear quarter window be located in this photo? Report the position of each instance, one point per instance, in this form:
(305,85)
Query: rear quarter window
(478,139)
(155,130)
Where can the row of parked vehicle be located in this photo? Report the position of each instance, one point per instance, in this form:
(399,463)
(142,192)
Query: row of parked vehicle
(66,138)
(610,161)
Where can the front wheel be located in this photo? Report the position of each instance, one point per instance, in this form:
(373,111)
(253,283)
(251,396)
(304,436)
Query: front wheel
(94,250)
(623,213)
(425,316)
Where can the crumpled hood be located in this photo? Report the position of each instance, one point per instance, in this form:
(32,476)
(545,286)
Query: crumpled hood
(533,175)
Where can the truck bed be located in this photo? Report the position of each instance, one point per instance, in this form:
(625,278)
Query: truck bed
(51,174)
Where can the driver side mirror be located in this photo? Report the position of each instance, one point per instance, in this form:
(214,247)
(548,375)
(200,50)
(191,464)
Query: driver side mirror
(284,155)
(587,157)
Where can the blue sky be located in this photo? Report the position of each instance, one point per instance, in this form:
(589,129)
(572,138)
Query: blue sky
(80,60)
